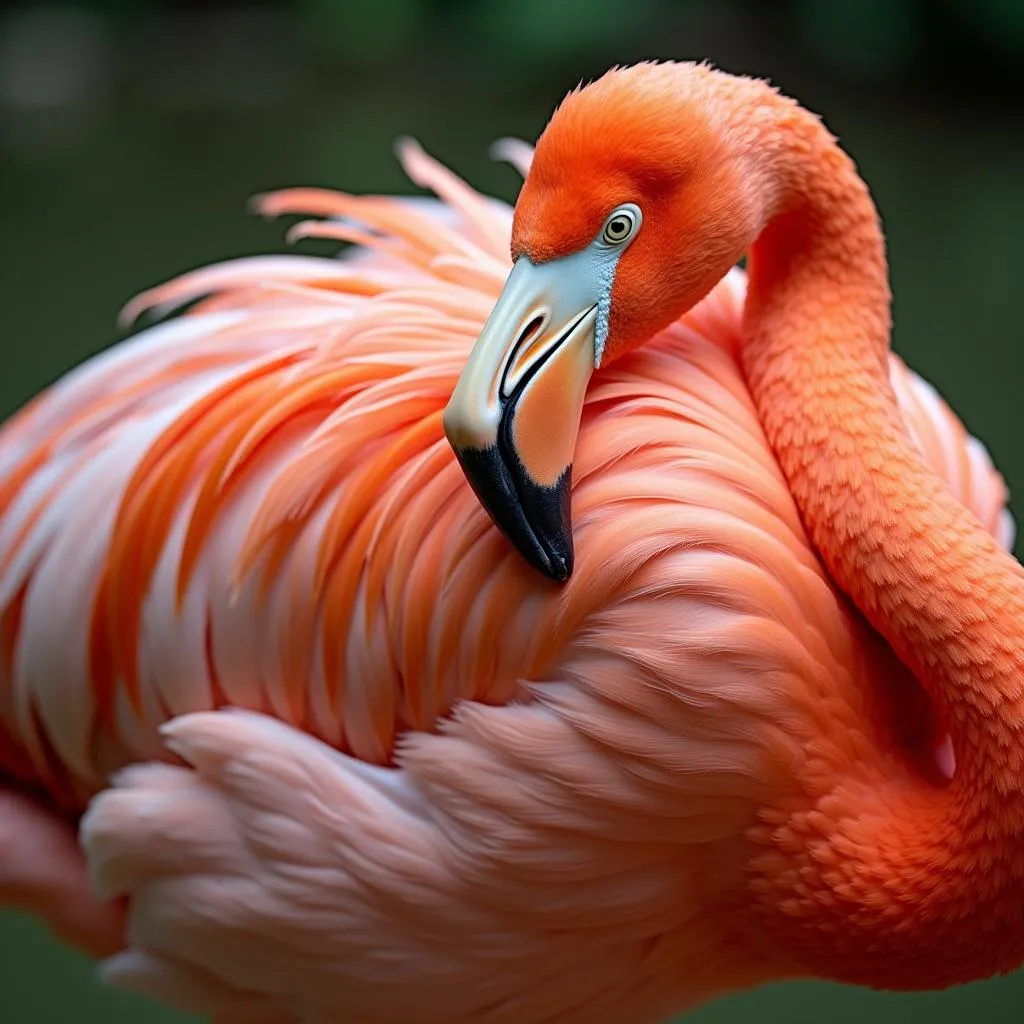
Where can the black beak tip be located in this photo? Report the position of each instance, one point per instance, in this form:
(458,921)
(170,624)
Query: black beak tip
(536,519)
(560,572)
(559,563)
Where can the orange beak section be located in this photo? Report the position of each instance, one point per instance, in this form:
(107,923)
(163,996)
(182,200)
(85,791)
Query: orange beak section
(514,415)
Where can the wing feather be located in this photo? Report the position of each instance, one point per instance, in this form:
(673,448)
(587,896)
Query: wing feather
(254,504)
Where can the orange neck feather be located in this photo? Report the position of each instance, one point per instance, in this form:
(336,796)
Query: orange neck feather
(907,884)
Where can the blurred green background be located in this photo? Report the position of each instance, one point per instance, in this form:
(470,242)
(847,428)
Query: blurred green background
(132,131)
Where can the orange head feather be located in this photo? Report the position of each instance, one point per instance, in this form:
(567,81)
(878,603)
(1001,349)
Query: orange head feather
(636,136)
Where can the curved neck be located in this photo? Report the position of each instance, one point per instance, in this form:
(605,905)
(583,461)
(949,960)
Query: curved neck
(931,865)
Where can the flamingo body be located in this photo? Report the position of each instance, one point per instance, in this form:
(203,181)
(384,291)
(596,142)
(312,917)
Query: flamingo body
(392,773)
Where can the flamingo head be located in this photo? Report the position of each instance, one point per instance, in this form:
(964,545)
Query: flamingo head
(633,209)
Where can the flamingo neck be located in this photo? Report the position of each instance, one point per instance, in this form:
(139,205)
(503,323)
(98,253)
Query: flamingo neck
(917,886)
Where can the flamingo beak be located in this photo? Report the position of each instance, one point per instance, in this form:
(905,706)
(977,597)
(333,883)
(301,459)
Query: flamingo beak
(514,415)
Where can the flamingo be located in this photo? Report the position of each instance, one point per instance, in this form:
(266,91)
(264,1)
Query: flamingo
(344,753)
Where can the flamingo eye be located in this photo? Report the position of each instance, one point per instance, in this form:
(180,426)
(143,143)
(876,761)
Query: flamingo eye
(622,225)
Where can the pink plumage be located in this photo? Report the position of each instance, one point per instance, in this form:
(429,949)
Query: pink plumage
(455,792)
